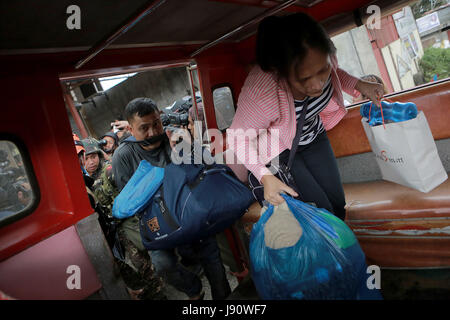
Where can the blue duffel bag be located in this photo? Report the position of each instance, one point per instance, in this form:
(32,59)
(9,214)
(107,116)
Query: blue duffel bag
(194,202)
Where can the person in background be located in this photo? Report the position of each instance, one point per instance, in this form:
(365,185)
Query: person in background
(135,268)
(94,157)
(121,128)
(112,142)
(94,164)
(88,181)
(151,143)
(80,151)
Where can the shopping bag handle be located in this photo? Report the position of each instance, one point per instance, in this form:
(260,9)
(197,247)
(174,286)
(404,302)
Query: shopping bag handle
(381,108)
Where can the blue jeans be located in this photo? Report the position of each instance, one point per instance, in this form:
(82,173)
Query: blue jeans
(206,252)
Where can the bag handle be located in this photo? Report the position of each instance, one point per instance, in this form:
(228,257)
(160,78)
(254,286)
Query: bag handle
(207,168)
(381,108)
(382,116)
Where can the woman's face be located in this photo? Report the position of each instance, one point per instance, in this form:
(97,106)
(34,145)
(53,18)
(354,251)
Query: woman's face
(308,77)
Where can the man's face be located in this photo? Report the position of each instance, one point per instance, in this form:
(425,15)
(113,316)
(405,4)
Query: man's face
(146,127)
(109,143)
(91,163)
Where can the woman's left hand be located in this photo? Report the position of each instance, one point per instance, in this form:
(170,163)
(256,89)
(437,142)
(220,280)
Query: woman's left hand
(372,90)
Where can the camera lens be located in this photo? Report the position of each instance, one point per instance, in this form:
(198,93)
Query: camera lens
(165,119)
(102,143)
(184,119)
(179,119)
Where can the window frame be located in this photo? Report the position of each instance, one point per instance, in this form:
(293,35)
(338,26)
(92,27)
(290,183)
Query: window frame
(393,94)
(28,167)
(219,86)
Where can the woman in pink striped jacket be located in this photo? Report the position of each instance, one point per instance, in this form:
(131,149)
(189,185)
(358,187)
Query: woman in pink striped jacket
(297,71)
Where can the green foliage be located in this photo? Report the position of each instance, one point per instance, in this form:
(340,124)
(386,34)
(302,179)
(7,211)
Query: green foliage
(421,7)
(435,61)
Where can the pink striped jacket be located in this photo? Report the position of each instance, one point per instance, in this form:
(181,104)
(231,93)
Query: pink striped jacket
(265,121)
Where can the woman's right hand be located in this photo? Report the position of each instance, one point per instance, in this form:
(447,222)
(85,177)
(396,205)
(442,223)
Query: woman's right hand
(273,187)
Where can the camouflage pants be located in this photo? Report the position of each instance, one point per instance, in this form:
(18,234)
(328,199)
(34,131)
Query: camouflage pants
(137,270)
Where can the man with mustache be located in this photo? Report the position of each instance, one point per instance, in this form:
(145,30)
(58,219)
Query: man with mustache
(150,142)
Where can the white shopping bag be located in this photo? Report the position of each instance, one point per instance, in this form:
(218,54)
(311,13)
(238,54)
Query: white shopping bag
(406,153)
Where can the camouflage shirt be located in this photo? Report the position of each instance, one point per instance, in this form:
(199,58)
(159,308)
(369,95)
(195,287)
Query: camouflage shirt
(105,189)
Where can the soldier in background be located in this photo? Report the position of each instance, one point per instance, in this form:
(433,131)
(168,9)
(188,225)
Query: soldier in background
(94,158)
(135,264)
(100,189)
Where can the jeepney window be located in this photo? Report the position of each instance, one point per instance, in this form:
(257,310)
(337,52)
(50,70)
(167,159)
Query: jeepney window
(408,48)
(224,107)
(16,192)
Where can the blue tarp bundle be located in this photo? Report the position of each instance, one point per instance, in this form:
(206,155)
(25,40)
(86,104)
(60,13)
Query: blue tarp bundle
(138,191)
(325,263)
(390,112)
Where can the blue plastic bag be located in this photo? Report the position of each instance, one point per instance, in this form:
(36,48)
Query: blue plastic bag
(392,112)
(138,191)
(325,263)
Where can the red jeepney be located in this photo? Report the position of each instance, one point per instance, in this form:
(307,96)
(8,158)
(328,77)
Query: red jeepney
(56,234)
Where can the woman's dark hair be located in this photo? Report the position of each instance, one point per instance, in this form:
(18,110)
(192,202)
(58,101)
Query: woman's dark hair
(141,107)
(282,41)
